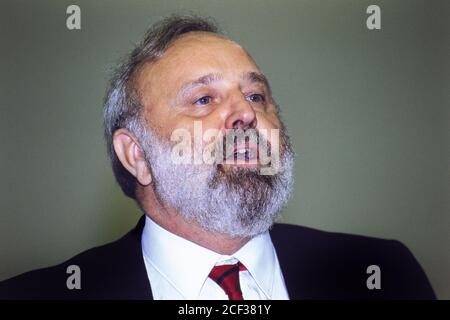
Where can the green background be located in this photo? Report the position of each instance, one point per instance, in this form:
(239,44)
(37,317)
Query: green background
(368,112)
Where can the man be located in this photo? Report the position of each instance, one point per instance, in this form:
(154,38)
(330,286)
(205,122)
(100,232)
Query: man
(194,136)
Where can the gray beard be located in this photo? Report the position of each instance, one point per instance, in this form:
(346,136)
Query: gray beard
(239,202)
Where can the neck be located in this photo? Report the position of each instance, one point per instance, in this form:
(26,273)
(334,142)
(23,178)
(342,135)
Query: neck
(169,219)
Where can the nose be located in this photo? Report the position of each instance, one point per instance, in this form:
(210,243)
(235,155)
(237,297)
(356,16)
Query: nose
(241,116)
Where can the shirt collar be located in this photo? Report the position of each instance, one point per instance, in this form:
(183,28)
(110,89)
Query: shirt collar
(170,254)
(258,256)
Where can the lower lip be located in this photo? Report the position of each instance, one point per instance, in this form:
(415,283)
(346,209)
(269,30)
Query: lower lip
(244,162)
(242,165)
(234,157)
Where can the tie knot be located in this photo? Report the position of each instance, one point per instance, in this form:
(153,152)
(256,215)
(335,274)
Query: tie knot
(227,277)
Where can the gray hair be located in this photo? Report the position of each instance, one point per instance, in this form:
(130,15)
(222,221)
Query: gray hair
(122,102)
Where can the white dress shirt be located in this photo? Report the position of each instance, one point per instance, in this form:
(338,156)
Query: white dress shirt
(178,268)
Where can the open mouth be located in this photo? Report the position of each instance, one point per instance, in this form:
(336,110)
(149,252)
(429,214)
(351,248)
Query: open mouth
(244,153)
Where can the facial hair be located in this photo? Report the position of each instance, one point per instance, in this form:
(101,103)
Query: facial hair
(237,202)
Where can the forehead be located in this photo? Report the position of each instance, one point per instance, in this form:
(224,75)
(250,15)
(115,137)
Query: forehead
(194,55)
(205,46)
(202,42)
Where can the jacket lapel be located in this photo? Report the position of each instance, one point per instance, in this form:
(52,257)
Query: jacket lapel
(134,282)
(289,264)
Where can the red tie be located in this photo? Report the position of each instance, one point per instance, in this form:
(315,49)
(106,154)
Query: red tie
(227,277)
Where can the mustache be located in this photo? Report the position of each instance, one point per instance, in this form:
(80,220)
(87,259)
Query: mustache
(250,148)
(237,142)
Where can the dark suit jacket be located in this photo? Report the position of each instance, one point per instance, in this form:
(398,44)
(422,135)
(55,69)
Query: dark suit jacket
(315,265)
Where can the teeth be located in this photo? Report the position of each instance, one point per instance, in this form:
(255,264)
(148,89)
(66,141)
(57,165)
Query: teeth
(248,153)
(242,153)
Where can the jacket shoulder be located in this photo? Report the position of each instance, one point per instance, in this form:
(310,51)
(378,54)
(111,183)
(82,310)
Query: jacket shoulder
(289,233)
(102,270)
(337,265)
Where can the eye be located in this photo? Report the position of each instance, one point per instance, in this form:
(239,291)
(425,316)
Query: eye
(256,98)
(203,101)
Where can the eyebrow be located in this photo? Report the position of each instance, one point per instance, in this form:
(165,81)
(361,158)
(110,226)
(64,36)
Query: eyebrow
(208,79)
(256,77)
(202,81)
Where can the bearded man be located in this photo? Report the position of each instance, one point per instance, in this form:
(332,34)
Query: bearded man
(210,197)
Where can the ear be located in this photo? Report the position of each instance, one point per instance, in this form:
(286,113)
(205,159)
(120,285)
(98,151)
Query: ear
(131,155)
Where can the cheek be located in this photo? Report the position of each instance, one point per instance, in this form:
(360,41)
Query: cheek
(207,133)
(200,131)
(192,123)
(266,123)
(165,121)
